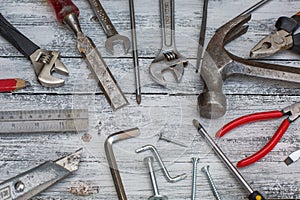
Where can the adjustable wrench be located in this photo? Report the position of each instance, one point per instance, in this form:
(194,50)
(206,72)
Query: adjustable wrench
(44,61)
(112,34)
(168,58)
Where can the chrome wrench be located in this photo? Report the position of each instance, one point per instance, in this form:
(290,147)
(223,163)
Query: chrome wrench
(113,37)
(168,58)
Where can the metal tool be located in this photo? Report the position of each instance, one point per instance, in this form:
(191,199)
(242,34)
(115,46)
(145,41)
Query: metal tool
(293,113)
(113,138)
(162,137)
(67,12)
(32,182)
(135,53)
(194,178)
(156,196)
(168,58)
(38,121)
(253,195)
(44,61)
(284,38)
(293,157)
(160,162)
(205,170)
(113,36)
(202,35)
(218,64)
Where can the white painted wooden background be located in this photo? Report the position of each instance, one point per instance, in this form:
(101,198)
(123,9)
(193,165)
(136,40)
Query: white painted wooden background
(168,110)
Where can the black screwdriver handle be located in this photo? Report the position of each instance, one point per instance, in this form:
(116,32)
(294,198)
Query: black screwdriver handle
(256,196)
(16,38)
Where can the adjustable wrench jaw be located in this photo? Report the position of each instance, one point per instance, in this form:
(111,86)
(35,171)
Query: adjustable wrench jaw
(45,62)
(293,111)
(167,60)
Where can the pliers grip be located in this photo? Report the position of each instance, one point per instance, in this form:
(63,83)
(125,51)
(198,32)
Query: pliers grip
(268,147)
(249,118)
(258,117)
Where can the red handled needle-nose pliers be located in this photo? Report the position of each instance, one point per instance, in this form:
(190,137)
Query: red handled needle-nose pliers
(292,111)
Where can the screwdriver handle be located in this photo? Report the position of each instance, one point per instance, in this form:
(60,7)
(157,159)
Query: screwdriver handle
(255,196)
(63,8)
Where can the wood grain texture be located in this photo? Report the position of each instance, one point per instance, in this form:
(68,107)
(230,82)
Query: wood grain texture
(163,110)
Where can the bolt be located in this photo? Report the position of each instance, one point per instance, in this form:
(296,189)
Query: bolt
(149,162)
(162,137)
(19,186)
(194,178)
(205,169)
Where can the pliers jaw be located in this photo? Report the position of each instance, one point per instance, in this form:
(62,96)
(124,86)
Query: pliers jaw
(293,111)
(45,62)
(271,44)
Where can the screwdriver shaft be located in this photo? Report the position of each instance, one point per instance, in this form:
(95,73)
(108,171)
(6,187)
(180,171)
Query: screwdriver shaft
(222,156)
(202,35)
(135,53)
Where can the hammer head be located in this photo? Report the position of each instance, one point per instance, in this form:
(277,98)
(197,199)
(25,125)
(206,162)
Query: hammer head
(212,101)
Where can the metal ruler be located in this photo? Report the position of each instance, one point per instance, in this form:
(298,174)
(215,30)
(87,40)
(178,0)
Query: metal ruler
(38,121)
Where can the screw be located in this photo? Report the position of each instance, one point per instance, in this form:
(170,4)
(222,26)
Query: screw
(194,178)
(205,169)
(162,137)
(149,162)
(19,186)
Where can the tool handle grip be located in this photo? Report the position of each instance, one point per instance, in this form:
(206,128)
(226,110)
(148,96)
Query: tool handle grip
(248,118)
(296,43)
(16,38)
(268,147)
(289,24)
(255,196)
(63,8)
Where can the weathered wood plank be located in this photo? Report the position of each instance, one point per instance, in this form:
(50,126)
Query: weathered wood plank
(174,120)
(163,110)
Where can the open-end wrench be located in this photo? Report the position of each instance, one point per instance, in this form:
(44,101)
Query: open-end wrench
(113,37)
(168,58)
(44,61)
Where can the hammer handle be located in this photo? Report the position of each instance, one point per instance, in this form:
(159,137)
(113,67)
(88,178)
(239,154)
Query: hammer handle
(16,38)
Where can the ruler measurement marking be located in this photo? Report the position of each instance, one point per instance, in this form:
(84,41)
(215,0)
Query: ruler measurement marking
(44,121)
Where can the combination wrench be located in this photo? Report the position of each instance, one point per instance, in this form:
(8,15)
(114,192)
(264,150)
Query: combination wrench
(168,58)
(113,37)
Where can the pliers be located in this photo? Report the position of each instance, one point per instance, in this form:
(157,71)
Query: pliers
(292,111)
(284,38)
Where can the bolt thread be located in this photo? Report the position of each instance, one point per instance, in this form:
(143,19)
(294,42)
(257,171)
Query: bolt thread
(212,184)
(194,178)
